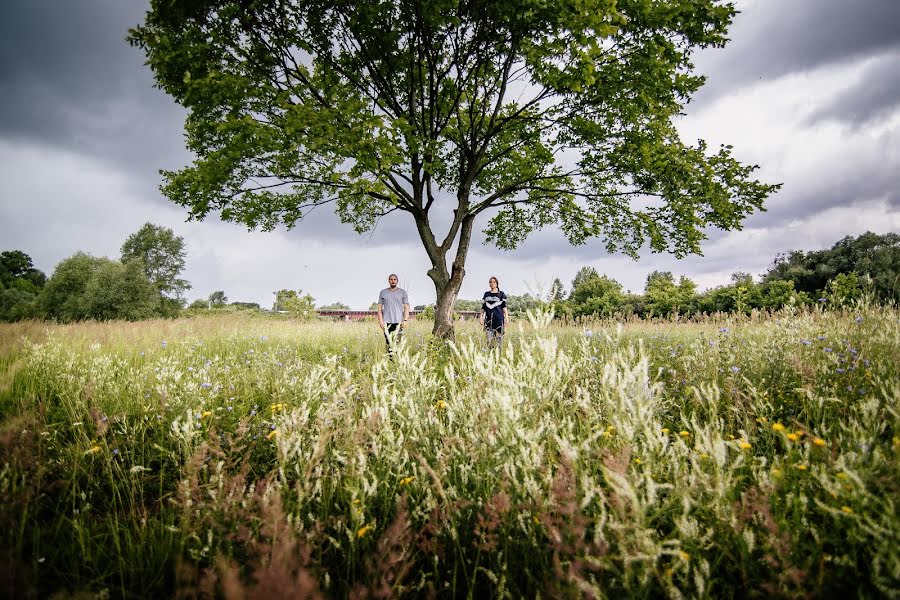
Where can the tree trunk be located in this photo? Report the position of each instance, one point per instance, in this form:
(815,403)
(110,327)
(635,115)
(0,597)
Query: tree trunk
(447,287)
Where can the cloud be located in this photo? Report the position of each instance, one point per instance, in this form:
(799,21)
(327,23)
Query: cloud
(772,39)
(872,96)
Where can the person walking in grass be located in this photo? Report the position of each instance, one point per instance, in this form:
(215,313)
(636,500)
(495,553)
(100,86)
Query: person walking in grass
(393,312)
(494,314)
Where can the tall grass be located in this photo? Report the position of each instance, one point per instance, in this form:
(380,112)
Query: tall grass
(234,457)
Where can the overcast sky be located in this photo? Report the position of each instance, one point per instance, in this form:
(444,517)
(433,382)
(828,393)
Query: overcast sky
(807,89)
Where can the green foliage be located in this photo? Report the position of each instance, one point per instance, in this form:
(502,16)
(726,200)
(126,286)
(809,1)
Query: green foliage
(844,289)
(583,274)
(874,258)
(20,286)
(218,298)
(600,296)
(467,305)
(335,306)
(162,255)
(663,297)
(87,287)
(297,304)
(120,291)
(542,113)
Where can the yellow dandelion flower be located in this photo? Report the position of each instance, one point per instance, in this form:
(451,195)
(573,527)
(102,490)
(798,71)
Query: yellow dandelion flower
(847,510)
(206,413)
(800,433)
(536,520)
(793,437)
(611,428)
(776,472)
(93,450)
(684,433)
(800,467)
(440,405)
(637,461)
(357,501)
(777,427)
(665,430)
(762,420)
(272,434)
(703,455)
(362,531)
(684,555)
(745,445)
(407,480)
(818,441)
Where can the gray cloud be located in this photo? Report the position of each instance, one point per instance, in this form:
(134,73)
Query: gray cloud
(873,97)
(773,39)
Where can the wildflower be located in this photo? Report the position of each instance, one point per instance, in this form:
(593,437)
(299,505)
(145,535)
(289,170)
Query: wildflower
(703,455)
(637,461)
(588,333)
(801,467)
(723,330)
(818,441)
(821,338)
(841,475)
(363,531)
(826,350)
(164,344)
(858,319)
(840,370)
(206,385)
(665,430)
(206,413)
(357,501)
(440,405)
(762,420)
(805,342)
(272,434)
(776,472)
(536,520)
(745,445)
(793,437)
(115,451)
(847,510)
(735,370)
(777,427)
(684,434)
(407,480)
(684,555)
(93,450)
(823,300)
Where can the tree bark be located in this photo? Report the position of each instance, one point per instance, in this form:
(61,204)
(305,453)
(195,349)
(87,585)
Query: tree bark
(447,285)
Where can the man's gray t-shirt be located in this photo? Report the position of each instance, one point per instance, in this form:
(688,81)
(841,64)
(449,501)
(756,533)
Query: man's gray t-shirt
(392,302)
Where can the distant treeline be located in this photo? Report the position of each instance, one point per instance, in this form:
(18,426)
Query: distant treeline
(145,283)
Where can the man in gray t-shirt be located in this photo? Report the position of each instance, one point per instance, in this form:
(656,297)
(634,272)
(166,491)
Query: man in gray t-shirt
(393,311)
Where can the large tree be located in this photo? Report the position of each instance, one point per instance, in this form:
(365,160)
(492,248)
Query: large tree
(161,254)
(530,112)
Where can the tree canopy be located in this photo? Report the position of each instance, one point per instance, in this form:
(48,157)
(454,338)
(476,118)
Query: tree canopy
(526,112)
(161,254)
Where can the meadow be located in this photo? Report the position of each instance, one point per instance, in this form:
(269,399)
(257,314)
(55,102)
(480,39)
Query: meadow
(243,457)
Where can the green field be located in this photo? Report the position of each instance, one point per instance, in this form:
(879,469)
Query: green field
(240,457)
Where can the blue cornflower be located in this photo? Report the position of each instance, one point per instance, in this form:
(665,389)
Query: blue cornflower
(826,349)
(821,338)
(206,385)
(805,342)
(735,369)
(823,299)
(858,319)
(115,451)
(840,370)
(588,333)
(723,330)
(164,344)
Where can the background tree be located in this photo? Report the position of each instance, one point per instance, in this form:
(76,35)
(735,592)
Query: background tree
(601,296)
(662,296)
(63,296)
(298,304)
(162,255)
(335,306)
(583,274)
(218,298)
(120,291)
(533,113)
(557,291)
(20,286)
